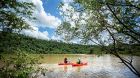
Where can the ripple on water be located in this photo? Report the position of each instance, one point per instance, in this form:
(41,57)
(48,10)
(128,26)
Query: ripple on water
(98,67)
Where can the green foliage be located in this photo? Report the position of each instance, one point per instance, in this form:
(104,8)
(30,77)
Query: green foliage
(13,13)
(133,49)
(17,66)
(12,19)
(38,46)
(116,19)
(32,45)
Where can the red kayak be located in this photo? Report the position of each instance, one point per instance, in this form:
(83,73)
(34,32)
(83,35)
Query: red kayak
(65,63)
(82,64)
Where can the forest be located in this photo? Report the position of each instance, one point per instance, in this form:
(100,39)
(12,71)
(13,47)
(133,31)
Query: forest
(33,45)
(14,42)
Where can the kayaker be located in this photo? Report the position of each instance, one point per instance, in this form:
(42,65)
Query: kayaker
(79,61)
(65,60)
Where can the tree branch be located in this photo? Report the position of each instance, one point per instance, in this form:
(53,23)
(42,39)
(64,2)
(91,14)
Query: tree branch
(130,5)
(127,63)
(138,34)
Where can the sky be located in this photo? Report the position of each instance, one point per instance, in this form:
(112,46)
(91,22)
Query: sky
(48,19)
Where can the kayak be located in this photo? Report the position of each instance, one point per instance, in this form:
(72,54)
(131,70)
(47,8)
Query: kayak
(65,63)
(82,64)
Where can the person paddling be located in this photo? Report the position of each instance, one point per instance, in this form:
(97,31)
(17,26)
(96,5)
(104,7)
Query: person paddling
(79,61)
(65,60)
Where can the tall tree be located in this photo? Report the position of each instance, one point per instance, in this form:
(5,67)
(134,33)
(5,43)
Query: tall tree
(91,20)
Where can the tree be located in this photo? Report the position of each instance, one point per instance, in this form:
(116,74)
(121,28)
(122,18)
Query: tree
(13,14)
(88,20)
(13,18)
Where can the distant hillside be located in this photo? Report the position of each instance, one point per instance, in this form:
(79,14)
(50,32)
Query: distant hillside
(12,42)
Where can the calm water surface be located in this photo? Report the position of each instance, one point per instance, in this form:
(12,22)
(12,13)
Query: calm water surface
(105,66)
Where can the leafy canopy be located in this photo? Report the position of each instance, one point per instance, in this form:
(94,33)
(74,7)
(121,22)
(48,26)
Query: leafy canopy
(95,17)
(14,14)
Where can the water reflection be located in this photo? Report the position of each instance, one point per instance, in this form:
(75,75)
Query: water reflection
(70,68)
(78,69)
(105,66)
(65,68)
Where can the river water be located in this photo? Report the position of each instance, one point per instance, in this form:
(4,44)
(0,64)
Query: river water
(105,66)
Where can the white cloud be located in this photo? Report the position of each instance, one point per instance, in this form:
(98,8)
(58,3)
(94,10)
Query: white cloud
(67,1)
(66,10)
(34,31)
(49,20)
(56,37)
(72,16)
(60,38)
(36,34)
(43,19)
